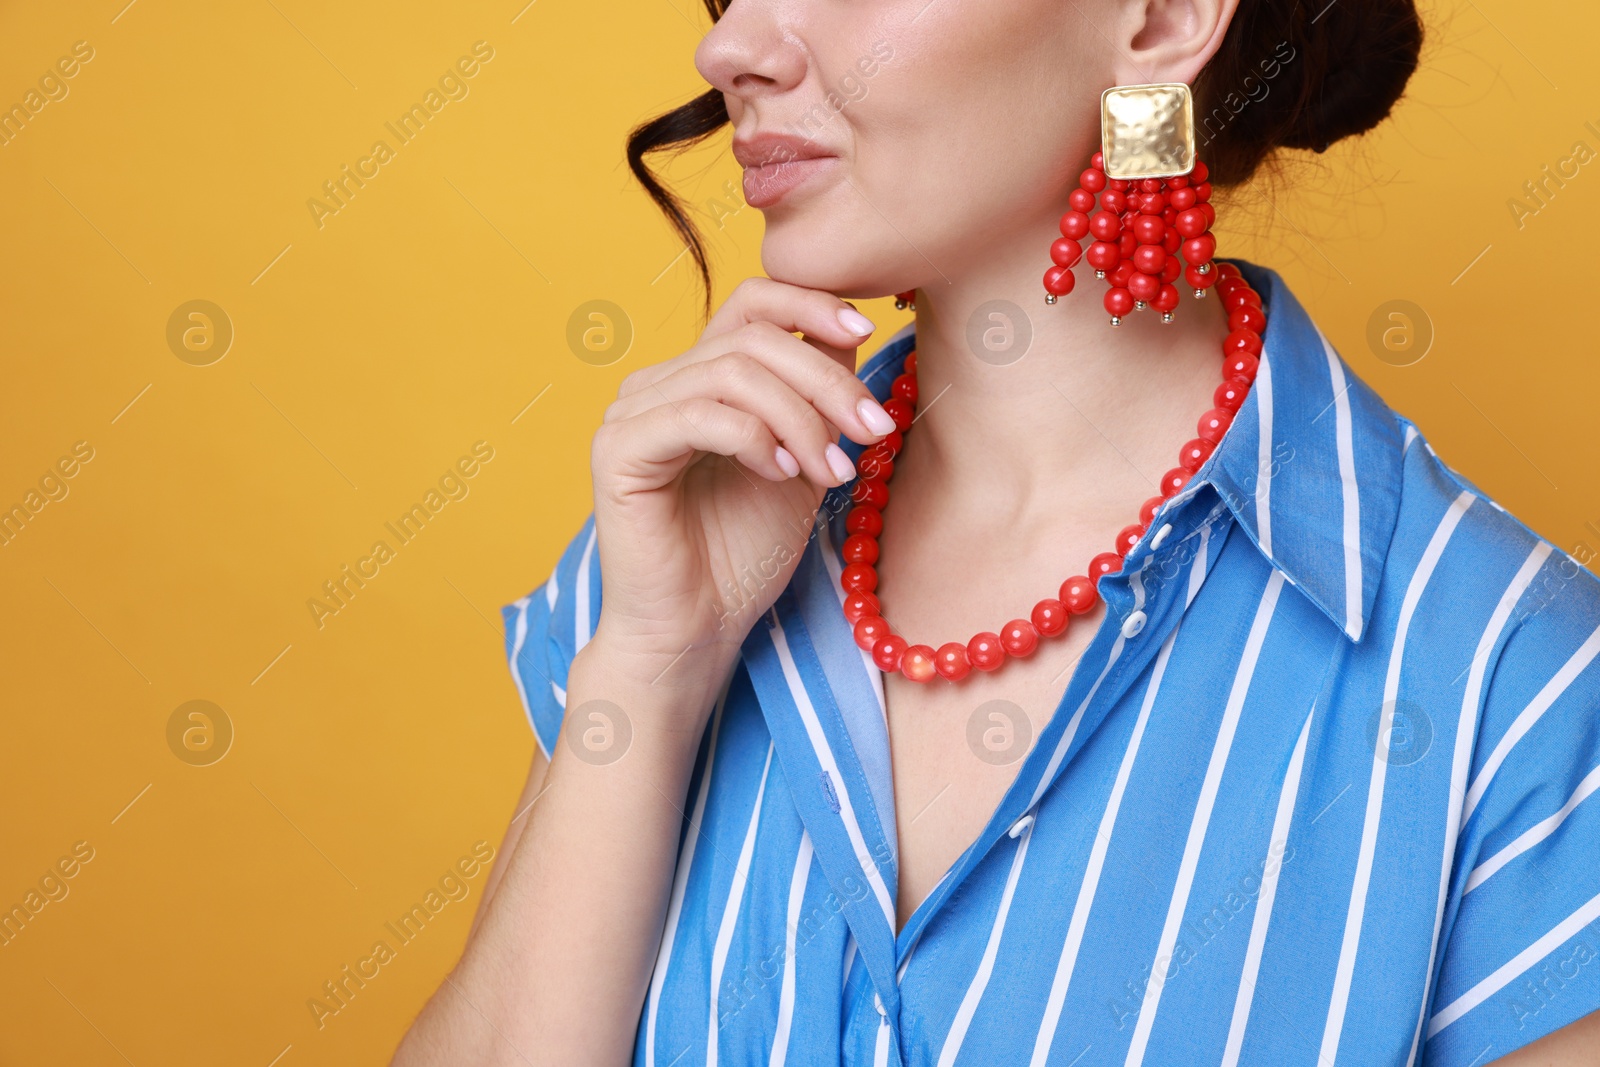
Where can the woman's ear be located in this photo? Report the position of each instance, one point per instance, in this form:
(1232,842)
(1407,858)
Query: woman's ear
(1168,40)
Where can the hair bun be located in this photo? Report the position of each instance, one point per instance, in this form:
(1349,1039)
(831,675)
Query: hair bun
(1289,76)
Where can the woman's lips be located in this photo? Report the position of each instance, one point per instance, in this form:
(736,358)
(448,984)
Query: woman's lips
(765,185)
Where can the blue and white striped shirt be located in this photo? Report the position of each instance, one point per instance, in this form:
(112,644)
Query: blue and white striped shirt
(1332,804)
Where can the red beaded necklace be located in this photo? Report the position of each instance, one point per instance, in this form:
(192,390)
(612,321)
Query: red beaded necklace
(987,651)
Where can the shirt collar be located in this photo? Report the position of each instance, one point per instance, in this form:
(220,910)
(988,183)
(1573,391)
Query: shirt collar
(1311,467)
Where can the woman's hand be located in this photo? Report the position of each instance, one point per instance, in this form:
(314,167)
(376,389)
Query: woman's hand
(709,468)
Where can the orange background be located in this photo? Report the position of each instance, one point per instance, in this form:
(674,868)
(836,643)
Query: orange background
(369,354)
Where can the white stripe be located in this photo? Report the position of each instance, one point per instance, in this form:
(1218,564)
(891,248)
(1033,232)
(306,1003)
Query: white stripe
(552,588)
(1514,969)
(830,766)
(1263,389)
(519,638)
(1466,734)
(797,895)
(583,625)
(1108,820)
(1265,898)
(1352,496)
(880,1054)
(980,981)
(1369,829)
(1202,815)
(1411,435)
(1539,832)
(680,880)
(1530,715)
(730,910)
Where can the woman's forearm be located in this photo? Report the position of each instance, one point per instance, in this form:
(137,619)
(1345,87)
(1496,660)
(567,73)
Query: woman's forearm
(557,967)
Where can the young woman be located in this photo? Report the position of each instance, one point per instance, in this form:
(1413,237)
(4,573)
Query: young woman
(1274,741)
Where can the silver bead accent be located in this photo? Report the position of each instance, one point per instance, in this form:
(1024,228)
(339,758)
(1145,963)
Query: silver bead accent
(1139,305)
(1049,298)
(1116,320)
(1100,274)
(1204,268)
(1168,317)
(1199,294)
(899,305)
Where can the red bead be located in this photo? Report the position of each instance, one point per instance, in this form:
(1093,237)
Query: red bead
(1167,298)
(1152,203)
(1097,161)
(900,411)
(896,440)
(909,367)
(904,386)
(917,664)
(1119,302)
(859,578)
(1192,223)
(1242,341)
(1240,367)
(985,651)
(1150,259)
(1103,564)
(1119,184)
(1211,214)
(1202,191)
(1199,174)
(1118,278)
(859,548)
(1213,424)
(1240,296)
(1058,281)
(1078,594)
(871,492)
(1230,395)
(1181,199)
(1178,181)
(1227,283)
(1092,179)
(864,520)
(1172,242)
(1075,225)
(858,604)
(1127,537)
(1127,243)
(1049,617)
(1105,226)
(1249,318)
(951,659)
(1150,185)
(1229,270)
(887,652)
(1113,201)
(1066,253)
(1103,256)
(1169,216)
(1198,250)
(875,464)
(1018,637)
(1147,510)
(1149,229)
(1081,200)
(1144,287)
(1173,482)
(1192,456)
(868,629)
(1196,280)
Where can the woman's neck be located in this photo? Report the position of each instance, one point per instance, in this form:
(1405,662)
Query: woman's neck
(1086,411)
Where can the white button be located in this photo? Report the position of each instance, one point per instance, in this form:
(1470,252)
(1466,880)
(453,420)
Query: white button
(1161,535)
(1133,624)
(1021,825)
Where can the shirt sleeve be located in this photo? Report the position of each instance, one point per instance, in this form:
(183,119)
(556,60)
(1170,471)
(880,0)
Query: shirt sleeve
(1520,946)
(545,630)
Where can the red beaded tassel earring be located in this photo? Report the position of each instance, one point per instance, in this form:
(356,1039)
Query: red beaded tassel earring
(1154,204)
(907,299)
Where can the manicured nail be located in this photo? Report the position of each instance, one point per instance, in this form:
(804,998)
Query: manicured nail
(856,322)
(873,417)
(839,463)
(786,461)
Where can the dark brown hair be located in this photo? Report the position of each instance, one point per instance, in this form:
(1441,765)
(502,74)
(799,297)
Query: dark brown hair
(1288,75)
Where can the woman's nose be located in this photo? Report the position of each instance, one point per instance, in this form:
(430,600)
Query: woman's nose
(750,52)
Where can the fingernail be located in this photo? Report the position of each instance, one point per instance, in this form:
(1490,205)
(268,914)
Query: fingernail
(856,322)
(839,463)
(873,417)
(786,461)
